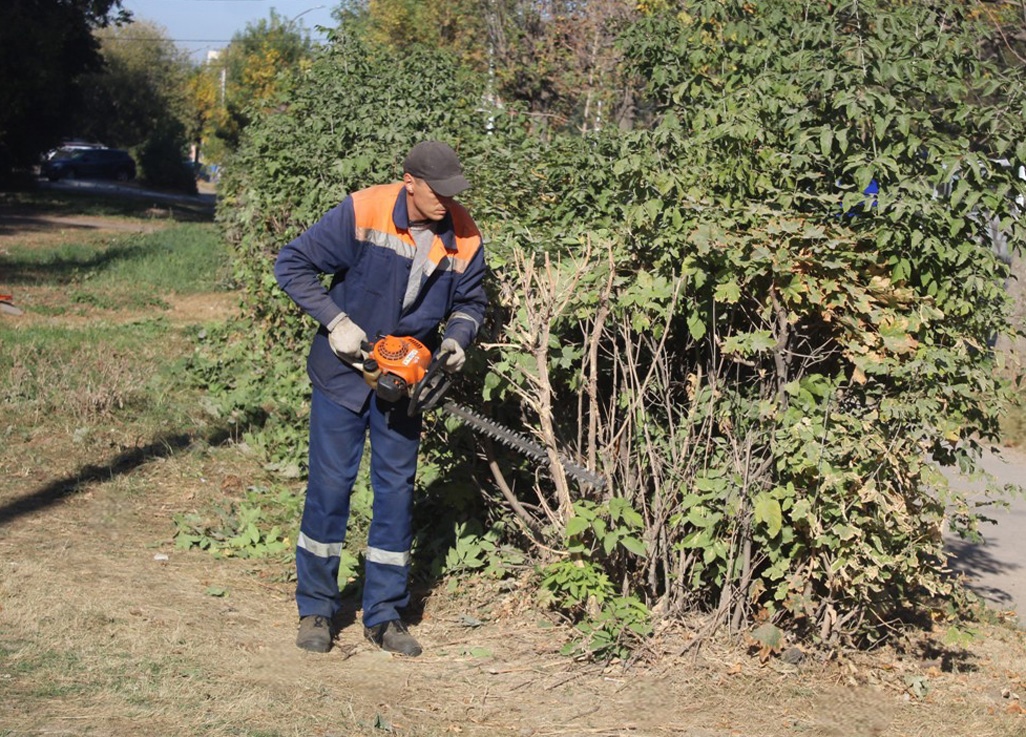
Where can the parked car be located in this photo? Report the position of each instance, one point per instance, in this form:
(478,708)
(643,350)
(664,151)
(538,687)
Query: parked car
(67,146)
(92,163)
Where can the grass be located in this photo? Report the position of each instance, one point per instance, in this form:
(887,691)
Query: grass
(91,395)
(115,359)
(1013,424)
(124,271)
(82,375)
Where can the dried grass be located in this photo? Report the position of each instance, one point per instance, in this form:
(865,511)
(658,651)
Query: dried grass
(91,387)
(99,637)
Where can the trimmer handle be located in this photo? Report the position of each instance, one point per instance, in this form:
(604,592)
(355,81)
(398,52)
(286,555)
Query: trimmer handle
(429,391)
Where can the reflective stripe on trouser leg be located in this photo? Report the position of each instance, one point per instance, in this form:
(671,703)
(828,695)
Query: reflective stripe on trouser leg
(336,445)
(395,438)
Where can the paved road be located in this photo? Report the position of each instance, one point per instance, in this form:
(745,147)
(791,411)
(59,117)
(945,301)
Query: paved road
(996,569)
(100,186)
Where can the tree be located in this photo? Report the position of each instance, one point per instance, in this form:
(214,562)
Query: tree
(557,58)
(1007,38)
(252,66)
(45,48)
(208,110)
(140,100)
(143,82)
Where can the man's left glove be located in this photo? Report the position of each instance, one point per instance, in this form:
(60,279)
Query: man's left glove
(454,355)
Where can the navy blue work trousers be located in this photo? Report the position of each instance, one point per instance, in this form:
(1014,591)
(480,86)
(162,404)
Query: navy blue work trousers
(337,438)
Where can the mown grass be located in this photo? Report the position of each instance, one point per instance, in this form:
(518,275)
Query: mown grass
(92,392)
(87,373)
(1013,421)
(127,271)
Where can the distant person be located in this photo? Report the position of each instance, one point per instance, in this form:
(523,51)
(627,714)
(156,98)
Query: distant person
(403,258)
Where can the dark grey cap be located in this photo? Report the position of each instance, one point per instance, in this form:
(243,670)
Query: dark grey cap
(437,164)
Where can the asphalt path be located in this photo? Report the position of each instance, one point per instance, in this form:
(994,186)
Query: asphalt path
(996,568)
(105,187)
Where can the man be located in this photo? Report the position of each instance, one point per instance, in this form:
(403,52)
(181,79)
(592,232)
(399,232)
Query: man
(404,258)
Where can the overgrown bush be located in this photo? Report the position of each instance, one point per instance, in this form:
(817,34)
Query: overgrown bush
(770,364)
(767,363)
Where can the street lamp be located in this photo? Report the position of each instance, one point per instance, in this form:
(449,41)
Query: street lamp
(308,10)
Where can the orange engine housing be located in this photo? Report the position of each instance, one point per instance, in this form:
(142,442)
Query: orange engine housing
(406,358)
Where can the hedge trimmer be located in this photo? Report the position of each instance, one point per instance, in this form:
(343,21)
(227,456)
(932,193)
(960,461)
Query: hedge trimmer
(397,367)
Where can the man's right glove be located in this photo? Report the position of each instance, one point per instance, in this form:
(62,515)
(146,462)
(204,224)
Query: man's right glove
(346,339)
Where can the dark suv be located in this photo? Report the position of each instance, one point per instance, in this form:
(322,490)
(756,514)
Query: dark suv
(94,163)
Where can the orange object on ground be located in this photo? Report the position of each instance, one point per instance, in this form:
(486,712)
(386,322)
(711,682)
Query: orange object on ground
(7,305)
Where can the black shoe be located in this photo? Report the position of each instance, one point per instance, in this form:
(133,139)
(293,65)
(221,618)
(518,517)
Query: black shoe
(393,637)
(315,634)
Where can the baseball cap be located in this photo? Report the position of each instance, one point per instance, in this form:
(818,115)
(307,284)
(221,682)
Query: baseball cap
(437,164)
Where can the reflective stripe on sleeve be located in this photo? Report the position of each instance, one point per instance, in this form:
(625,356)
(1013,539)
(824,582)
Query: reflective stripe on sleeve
(464,316)
(387,557)
(321,550)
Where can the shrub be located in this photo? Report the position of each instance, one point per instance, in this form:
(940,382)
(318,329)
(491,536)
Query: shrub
(768,365)
(162,158)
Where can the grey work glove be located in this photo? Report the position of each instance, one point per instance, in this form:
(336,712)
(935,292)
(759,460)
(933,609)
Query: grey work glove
(454,355)
(346,339)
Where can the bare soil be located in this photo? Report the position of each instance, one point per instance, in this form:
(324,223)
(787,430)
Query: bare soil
(106,629)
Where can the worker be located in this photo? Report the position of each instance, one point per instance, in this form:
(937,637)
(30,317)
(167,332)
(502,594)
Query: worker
(404,258)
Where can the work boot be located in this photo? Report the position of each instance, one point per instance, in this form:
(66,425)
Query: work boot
(393,637)
(314,634)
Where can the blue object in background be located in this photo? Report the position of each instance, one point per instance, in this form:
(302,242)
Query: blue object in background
(871,191)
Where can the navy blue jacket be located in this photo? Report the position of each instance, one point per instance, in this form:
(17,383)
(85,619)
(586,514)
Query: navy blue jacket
(366,245)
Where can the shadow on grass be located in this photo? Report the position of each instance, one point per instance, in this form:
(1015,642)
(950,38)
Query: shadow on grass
(122,464)
(950,658)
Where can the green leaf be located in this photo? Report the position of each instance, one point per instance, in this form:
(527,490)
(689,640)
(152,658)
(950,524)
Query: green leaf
(609,543)
(696,326)
(767,512)
(747,344)
(576,525)
(770,637)
(634,545)
(728,292)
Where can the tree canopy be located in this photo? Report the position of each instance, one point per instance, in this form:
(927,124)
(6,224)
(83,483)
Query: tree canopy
(143,82)
(249,70)
(45,48)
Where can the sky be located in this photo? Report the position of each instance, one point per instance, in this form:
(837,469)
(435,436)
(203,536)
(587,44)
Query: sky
(199,25)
